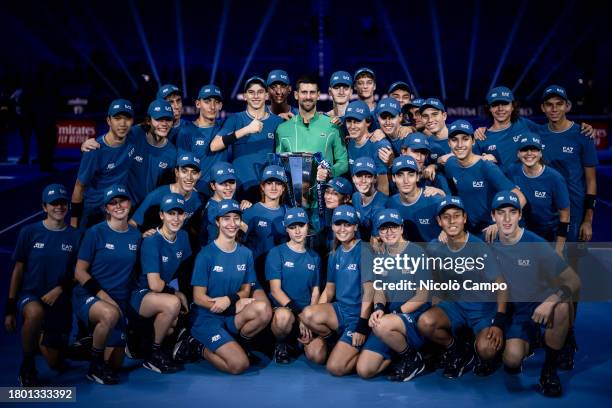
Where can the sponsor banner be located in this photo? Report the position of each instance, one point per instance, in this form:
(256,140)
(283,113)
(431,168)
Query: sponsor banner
(601,135)
(71,133)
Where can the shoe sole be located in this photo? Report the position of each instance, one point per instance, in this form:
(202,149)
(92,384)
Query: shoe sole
(151,367)
(462,370)
(414,373)
(176,348)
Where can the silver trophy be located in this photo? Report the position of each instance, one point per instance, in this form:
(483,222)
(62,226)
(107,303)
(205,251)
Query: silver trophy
(301,170)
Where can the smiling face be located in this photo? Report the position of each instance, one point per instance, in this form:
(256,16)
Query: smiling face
(452,221)
(529,156)
(225,190)
(272,189)
(56,211)
(161,127)
(363,181)
(119,208)
(461,145)
(256,96)
(120,125)
(434,119)
(401,95)
(187,177)
(343,231)
(555,108)
(229,225)
(356,128)
(507,219)
(307,96)
(173,220)
(279,92)
(501,111)
(389,124)
(332,198)
(390,233)
(340,94)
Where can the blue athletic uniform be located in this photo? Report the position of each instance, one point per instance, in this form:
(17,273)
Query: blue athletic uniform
(147,214)
(439,147)
(299,272)
(250,153)
(503,144)
(569,152)
(546,194)
(222,273)
(209,230)
(111,256)
(477,185)
(420,224)
(438,182)
(148,164)
(49,258)
(100,169)
(473,312)
(368,149)
(176,130)
(367,212)
(530,268)
(158,255)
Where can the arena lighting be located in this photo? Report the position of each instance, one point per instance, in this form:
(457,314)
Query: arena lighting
(568,7)
(438,46)
(396,46)
(111,46)
(569,54)
(475,26)
(509,41)
(97,70)
(262,29)
(220,38)
(178,19)
(143,39)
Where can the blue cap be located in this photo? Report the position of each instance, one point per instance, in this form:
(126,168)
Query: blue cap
(404,163)
(387,216)
(295,215)
(530,140)
(388,105)
(554,90)
(273,172)
(345,213)
(505,198)
(364,70)
(160,108)
(172,201)
(418,102)
(54,192)
(167,90)
(416,141)
(399,85)
(357,110)
(340,78)
(460,126)
(210,91)
(121,106)
(364,165)
(227,206)
(254,80)
(432,103)
(340,185)
(500,94)
(278,75)
(185,159)
(221,172)
(450,202)
(116,190)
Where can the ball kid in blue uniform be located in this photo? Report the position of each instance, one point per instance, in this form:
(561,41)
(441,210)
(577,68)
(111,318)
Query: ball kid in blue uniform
(433,114)
(293,272)
(279,89)
(340,90)
(390,117)
(365,88)
(173,95)
(417,146)
(41,284)
(107,255)
(161,255)
(367,200)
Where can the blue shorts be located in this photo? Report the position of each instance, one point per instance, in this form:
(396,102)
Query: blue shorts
(460,316)
(213,330)
(575,248)
(136,299)
(521,326)
(57,323)
(413,336)
(347,316)
(82,304)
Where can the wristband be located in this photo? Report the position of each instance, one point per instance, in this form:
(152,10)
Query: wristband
(11,307)
(229,139)
(231,309)
(92,286)
(500,320)
(562,229)
(168,289)
(295,308)
(363,327)
(564,293)
(76,209)
(379,306)
(589,202)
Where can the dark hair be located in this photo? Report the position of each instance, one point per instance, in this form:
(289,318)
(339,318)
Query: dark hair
(145,125)
(513,116)
(306,79)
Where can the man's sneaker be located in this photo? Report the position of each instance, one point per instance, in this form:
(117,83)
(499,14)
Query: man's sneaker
(28,377)
(408,367)
(160,363)
(458,362)
(550,383)
(567,353)
(186,350)
(102,373)
(80,349)
(281,353)
(484,368)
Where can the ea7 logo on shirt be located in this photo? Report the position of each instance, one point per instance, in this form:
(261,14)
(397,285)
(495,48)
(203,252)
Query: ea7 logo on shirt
(523,262)
(311,267)
(516,138)
(262,224)
(66,247)
(110,166)
(179,254)
(352,267)
(540,194)
(39,245)
(289,264)
(133,247)
(568,149)
(164,259)
(217,268)
(109,246)
(477,184)
(241,267)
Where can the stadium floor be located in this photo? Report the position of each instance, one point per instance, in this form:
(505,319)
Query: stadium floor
(302,384)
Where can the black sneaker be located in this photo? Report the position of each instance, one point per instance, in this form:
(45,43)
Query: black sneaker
(458,362)
(28,376)
(80,350)
(484,368)
(550,383)
(281,353)
(186,350)
(567,353)
(408,367)
(160,363)
(102,373)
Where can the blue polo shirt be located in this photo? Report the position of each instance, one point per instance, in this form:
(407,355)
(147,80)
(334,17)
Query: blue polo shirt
(158,255)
